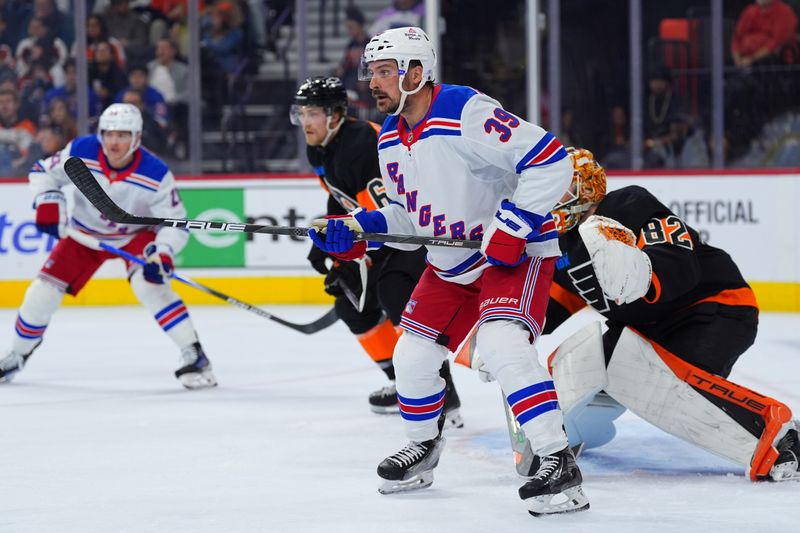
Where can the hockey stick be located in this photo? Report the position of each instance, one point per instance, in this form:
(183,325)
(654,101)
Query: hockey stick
(85,181)
(318,325)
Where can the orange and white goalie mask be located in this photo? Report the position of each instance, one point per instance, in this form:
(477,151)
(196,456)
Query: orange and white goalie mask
(588,188)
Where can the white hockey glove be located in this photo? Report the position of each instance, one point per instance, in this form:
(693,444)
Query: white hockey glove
(51,213)
(159,262)
(623,270)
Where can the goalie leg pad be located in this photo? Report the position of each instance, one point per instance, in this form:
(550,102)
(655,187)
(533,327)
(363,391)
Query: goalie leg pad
(578,367)
(666,391)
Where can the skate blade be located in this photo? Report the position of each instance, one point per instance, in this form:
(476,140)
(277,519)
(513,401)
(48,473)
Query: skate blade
(572,500)
(577,450)
(198,380)
(385,410)
(420,481)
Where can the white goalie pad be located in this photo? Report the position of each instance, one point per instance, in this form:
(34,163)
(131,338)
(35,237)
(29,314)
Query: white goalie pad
(579,367)
(579,373)
(641,381)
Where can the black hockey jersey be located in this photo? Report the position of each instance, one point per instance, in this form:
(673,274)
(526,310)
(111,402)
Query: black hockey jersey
(686,271)
(348,168)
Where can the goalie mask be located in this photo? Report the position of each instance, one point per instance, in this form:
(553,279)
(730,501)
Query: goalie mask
(121,117)
(402,45)
(327,93)
(588,188)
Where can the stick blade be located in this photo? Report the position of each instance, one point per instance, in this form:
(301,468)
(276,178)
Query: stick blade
(84,180)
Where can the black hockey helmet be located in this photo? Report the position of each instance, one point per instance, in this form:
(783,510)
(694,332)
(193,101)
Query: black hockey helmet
(326,92)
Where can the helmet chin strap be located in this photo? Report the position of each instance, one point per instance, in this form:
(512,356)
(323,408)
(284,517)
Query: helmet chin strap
(404,94)
(331,131)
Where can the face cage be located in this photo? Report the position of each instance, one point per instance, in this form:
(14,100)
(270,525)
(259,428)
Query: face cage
(568,213)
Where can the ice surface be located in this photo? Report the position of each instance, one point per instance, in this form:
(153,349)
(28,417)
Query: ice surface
(98,436)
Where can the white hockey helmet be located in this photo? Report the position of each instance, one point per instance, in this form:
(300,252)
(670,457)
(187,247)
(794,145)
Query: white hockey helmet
(122,117)
(403,45)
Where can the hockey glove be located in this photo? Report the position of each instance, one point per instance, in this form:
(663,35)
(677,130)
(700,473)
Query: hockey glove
(318,259)
(51,213)
(159,262)
(511,229)
(334,234)
(623,271)
(344,276)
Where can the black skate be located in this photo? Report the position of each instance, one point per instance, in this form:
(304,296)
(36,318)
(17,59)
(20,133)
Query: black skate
(556,486)
(13,363)
(412,467)
(196,370)
(384,401)
(787,465)
(452,403)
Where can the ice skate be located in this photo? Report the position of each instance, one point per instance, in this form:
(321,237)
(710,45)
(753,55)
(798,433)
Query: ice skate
(13,363)
(452,403)
(787,465)
(384,400)
(556,486)
(196,370)
(412,467)
(10,365)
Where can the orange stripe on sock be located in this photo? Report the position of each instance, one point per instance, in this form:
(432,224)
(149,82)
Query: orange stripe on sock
(774,413)
(379,341)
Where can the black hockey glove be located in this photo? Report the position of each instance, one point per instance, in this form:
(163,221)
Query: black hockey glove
(317,259)
(343,277)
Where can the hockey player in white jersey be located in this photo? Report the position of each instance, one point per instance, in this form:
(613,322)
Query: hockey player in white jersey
(137,181)
(456,164)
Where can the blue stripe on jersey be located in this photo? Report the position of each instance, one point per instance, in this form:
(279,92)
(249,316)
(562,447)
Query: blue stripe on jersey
(558,155)
(433,132)
(460,268)
(389,144)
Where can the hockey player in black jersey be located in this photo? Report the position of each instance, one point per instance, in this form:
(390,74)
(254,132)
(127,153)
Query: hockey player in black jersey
(344,155)
(679,314)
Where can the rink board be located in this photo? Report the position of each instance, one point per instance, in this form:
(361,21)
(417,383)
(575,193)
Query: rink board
(749,214)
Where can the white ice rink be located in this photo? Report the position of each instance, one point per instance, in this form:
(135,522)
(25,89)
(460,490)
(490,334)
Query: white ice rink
(96,435)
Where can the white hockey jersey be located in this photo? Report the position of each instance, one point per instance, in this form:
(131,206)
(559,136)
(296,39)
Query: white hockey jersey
(146,187)
(447,176)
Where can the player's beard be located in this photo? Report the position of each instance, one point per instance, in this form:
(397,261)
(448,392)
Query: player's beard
(391,108)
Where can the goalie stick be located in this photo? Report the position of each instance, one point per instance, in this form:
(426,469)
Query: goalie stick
(321,323)
(85,181)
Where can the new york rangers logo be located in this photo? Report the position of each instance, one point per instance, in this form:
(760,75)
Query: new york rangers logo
(410,306)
